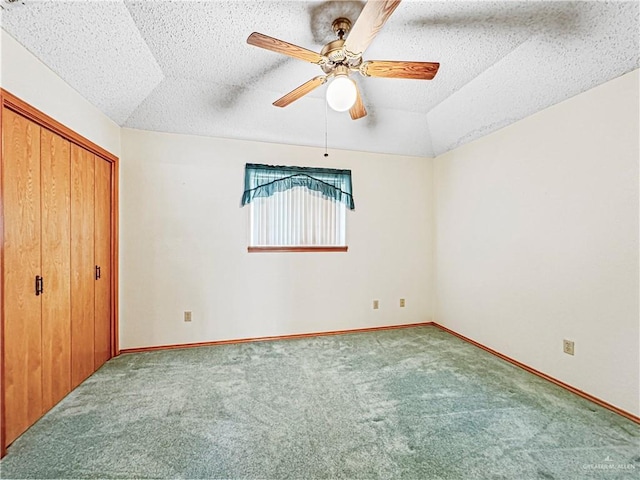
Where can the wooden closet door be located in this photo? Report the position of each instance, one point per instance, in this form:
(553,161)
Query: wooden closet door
(21,244)
(103,261)
(55,170)
(82,265)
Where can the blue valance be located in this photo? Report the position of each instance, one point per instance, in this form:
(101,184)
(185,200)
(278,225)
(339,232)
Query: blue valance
(265,180)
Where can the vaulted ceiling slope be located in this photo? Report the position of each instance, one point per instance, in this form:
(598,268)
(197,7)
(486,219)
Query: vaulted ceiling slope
(185,66)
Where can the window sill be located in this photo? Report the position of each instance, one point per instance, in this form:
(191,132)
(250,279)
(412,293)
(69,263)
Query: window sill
(296,249)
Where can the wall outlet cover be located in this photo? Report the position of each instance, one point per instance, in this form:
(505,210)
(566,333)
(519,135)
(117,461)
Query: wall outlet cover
(568,347)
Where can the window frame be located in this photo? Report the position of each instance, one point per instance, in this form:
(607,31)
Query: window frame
(315,174)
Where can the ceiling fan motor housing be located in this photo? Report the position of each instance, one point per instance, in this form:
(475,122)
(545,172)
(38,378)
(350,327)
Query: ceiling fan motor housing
(335,53)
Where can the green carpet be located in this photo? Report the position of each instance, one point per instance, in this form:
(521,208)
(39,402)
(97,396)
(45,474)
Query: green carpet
(411,403)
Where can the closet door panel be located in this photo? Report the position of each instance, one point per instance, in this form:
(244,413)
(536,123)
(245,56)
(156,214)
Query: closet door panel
(56,266)
(103,260)
(22,262)
(82,265)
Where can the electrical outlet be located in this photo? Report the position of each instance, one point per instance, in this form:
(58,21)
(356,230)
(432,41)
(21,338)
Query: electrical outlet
(568,347)
(187,316)
(402,302)
(376,304)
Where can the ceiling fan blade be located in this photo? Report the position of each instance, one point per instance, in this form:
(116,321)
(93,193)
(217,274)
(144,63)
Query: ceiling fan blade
(374,15)
(391,69)
(301,91)
(358,110)
(279,46)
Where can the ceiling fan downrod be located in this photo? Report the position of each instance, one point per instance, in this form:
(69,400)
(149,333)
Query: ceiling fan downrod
(334,51)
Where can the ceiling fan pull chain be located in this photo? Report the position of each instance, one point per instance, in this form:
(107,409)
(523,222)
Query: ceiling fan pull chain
(326,123)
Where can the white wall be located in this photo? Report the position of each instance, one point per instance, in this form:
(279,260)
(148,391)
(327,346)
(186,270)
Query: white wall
(183,245)
(23,75)
(537,241)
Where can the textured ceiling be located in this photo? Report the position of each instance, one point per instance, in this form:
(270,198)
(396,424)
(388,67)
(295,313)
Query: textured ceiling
(185,66)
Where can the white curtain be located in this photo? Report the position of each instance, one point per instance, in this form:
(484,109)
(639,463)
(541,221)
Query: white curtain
(297,217)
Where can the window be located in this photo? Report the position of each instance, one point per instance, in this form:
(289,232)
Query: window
(297,208)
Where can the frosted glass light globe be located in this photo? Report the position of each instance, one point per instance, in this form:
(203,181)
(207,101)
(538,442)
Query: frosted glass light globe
(341,93)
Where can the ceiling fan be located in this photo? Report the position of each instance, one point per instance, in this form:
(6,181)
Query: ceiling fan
(339,58)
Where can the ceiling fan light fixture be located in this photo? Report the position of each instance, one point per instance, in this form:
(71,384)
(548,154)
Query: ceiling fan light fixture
(341,93)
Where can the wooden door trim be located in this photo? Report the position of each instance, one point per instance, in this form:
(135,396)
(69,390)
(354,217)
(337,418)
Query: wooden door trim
(14,103)
(3,446)
(115,337)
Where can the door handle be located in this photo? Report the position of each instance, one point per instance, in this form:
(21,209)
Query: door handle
(97,272)
(39,285)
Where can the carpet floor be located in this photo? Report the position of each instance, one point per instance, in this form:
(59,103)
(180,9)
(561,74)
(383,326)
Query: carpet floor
(412,403)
